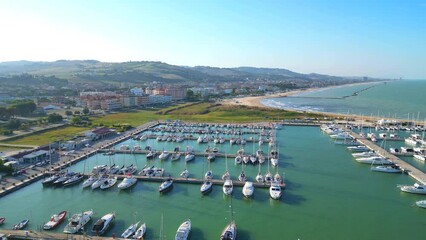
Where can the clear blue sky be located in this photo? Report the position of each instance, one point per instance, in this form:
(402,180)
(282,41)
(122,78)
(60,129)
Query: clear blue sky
(373,38)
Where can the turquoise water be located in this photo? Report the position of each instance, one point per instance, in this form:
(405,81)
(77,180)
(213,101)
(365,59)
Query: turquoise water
(395,99)
(328,196)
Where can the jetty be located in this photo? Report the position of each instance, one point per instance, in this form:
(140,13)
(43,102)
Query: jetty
(199,154)
(406,167)
(194,181)
(36,235)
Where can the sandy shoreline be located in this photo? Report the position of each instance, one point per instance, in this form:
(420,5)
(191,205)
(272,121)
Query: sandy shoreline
(255,101)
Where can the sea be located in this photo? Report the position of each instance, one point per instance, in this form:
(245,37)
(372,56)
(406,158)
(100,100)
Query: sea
(328,195)
(402,99)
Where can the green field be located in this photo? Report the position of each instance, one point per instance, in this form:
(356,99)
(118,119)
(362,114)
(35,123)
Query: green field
(199,112)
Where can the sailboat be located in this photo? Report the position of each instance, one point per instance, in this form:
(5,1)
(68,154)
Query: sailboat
(226,175)
(183,231)
(259,176)
(268,176)
(209,173)
(230,231)
(242,177)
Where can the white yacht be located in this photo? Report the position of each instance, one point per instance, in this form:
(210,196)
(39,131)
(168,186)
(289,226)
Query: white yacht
(109,183)
(275,191)
(184,173)
(164,155)
(274,161)
(140,232)
(166,185)
(130,230)
(127,182)
(103,224)
(416,188)
(420,157)
(364,154)
(359,148)
(387,169)
(374,160)
(183,231)
(77,222)
(421,203)
(341,136)
(229,232)
(88,182)
(248,189)
(227,187)
(206,187)
(189,156)
(99,182)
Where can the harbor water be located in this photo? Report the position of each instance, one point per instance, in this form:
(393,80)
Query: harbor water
(328,196)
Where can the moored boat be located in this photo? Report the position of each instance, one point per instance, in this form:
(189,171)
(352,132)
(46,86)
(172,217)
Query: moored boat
(77,222)
(416,188)
(421,203)
(248,189)
(74,179)
(2,219)
(206,187)
(140,232)
(103,224)
(88,182)
(21,225)
(275,191)
(387,169)
(227,187)
(109,183)
(130,230)
(167,185)
(55,220)
(127,182)
(183,231)
(229,232)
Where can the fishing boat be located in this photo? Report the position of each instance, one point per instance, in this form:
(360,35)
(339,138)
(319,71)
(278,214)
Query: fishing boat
(421,203)
(88,182)
(130,230)
(229,232)
(103,224)
(248,189)
(140,232)
(127,182)
(166,186)
(227,187)
(206,187)
(21,225)
(55,220)
(183,231)
(111,181)
(77,222)
(416,188)
(275,191)
(74,179)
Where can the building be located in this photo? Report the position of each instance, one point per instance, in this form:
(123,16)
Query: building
(149,91)
(142,100)
(156,99)
(175,92)
(111,104)
(159,91)
(35,157)
(137,91)
(99,133)
(128,100)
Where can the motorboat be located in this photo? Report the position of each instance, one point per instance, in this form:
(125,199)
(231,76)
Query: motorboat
(421,203)
(74,179)
(103,224)
(77,222)
(359,148)
(364,154)
(341,136)
(211,157)
(374,160)
(2,220)
(130,230)
(229,232)
(166,186)
(99,182)
(206,187)
(127,182)
(248,189)
(183,231)
(421,157)
(140,232)
(387,169)
(21,225)
(416,188)
(88,182)
(228,187)
(111,181)
(175,156)
(55,220)
(164,155)
(238,159)
(184,173)
(150,155)
(189,156)
(275,191)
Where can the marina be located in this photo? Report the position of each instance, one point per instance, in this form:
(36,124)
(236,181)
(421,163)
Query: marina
(305,174)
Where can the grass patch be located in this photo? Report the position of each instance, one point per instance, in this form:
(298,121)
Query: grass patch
(7,148)
(48,136)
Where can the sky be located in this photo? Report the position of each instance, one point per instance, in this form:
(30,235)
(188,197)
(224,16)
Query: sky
(337,37)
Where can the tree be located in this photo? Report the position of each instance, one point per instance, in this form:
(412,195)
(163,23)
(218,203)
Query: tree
(54,118)
(13,124)
(23,108)
(86,111)
(189,94)
(68,112)
(77,112)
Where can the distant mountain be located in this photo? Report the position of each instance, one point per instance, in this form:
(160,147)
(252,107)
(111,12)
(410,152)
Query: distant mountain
(148,71)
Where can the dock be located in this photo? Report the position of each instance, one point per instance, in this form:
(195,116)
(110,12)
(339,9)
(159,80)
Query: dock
(36,235)
(406,167)
(198,154)
(220,182)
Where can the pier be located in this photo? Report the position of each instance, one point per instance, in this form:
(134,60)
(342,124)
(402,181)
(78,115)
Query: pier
(36,235)
(406,167)
(198,154)
(220,182)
